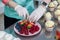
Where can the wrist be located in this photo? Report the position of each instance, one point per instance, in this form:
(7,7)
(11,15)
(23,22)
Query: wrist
(17,7)
(44,4)
(12,4)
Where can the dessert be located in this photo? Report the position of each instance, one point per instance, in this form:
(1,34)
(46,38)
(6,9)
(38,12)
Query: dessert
(56,3)
(49,25)
(48,16)
(16,39)
(57,13)
(2,34)
(25,27)
(59,19)
(8,37)
(51,6)
(58,7)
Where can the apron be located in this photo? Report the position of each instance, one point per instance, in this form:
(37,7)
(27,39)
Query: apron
(10,12)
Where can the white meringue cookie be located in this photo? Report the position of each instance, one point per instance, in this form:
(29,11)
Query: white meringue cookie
(2,34)
(17,39)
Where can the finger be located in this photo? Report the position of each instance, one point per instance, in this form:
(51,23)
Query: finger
(47,1)
(24,15)
(31,18)
(35,18)
(27,16)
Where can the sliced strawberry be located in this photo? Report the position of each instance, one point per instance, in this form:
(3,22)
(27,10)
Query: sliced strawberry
(58,33)
(21,32)
(59,39)
(36,28)
(32,30)
(26,32)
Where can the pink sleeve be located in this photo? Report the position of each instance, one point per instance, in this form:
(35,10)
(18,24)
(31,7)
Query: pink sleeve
(5,1)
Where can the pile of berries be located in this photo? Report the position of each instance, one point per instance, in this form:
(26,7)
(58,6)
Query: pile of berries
(26,27)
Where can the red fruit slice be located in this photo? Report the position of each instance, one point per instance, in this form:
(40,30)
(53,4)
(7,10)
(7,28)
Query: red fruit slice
(58,33)
(36,28)
(32,30)
(26,32)
(21,32)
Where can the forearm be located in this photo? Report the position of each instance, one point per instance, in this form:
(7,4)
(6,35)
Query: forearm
(10,3)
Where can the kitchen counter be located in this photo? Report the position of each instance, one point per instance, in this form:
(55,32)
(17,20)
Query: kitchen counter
(40,36)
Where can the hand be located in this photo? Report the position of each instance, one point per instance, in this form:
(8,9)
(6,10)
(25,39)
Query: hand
(37,14)
(22,11)
(47,1)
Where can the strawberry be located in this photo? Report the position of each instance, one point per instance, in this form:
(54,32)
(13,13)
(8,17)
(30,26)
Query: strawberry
(36,28)
(26,32)
(59,39)
(32,30)
(57,33)
(21,32)
(27,27)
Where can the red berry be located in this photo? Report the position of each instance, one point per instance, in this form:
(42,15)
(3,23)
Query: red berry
(32,30)
(58,33)
(21,32)
(36,28)
(26,32)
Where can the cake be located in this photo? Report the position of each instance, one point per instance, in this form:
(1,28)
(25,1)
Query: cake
(2,34)
(49,25)
(58,7)
(25,27)
(16,39)
(51,6)
(57,13)
(59,19)
(56,3)
(8,37)
(48,16)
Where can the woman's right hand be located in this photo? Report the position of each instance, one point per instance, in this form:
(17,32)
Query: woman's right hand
(22,11)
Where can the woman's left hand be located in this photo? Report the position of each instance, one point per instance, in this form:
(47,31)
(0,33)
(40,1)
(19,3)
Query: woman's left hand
(38,13)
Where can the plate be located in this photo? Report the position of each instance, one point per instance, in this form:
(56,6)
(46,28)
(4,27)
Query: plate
(29,33)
